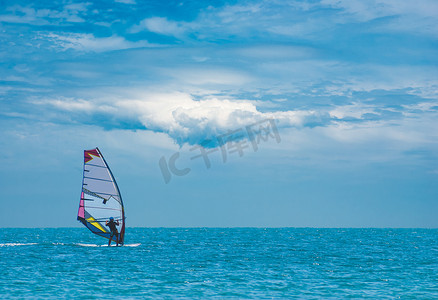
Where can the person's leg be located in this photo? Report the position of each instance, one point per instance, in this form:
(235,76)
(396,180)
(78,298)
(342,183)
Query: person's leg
(111,237)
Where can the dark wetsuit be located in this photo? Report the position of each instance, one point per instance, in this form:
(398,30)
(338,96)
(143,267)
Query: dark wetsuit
(112,225)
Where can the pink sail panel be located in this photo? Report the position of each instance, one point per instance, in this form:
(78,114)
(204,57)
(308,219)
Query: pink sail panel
(81,206)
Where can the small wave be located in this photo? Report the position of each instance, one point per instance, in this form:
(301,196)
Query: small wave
(90,245)
(16,244)
(132,245)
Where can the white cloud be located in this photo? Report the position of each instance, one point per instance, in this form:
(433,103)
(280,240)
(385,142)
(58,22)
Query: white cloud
(88,42)
(187,120)
(367,10)
(239,13)
(408,132)
(75,7)
(422,106)
(161,26)
(25,15)
(72,105)
(71,13)
(355,110)
(126,1)
(295,19)
(5,89)
(408,16)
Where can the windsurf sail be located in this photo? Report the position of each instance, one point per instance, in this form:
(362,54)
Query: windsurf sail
(100,197)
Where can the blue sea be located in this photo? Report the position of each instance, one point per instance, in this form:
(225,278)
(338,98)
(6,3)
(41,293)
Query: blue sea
(221,263)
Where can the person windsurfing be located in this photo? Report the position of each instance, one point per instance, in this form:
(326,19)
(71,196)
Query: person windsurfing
(114,232)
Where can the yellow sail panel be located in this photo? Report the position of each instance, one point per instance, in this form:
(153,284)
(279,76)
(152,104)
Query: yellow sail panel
(96,224)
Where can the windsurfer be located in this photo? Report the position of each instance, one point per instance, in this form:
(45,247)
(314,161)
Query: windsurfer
(114,232)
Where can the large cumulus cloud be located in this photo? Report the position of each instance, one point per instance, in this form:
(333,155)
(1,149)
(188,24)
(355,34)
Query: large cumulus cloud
(185,119)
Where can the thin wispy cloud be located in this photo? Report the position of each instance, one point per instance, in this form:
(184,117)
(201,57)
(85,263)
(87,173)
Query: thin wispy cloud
(296,19)
(70,13)
(88,42)
(125,1)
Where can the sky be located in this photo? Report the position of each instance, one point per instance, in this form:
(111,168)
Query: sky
(222,113)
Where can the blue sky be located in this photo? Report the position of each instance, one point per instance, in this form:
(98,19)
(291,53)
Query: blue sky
(352,87)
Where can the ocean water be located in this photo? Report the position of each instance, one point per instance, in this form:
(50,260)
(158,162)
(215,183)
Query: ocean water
(233,263)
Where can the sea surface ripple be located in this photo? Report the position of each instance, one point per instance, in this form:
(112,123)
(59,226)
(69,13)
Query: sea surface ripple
(223,263)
